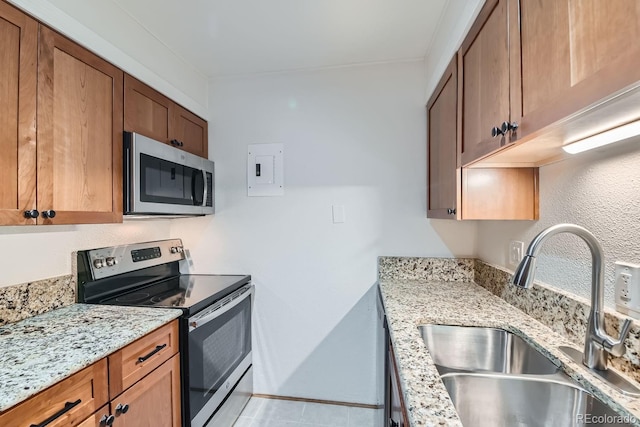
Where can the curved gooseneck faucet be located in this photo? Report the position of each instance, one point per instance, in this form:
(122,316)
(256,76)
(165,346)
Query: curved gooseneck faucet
(597,343)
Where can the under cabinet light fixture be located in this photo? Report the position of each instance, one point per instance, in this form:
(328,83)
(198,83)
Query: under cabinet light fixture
(619,133)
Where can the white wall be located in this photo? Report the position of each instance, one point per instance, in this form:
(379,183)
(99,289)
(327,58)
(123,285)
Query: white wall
(599,190)
(103,27)
(39,252)
(352,137)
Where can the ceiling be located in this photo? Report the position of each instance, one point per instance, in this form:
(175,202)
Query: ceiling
(230,37)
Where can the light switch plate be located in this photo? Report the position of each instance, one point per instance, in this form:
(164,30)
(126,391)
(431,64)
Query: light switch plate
(338,214)
(265,174)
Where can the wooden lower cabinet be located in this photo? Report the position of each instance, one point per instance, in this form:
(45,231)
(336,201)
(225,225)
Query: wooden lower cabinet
(99,419)
(397,410)
(83,399)
(67,403)
(152,401)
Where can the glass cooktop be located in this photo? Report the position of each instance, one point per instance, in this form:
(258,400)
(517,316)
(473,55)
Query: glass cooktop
(188,292)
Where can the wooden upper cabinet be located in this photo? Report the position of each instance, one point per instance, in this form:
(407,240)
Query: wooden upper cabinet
(483,76)
(80,126)
(148,112)
(456,192)
(18,78)
(442,188)
(573,54)
(192,131)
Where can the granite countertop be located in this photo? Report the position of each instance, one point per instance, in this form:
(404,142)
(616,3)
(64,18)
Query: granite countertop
(411,303)
(42,350)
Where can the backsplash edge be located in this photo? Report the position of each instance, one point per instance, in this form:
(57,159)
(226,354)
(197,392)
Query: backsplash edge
(19,302)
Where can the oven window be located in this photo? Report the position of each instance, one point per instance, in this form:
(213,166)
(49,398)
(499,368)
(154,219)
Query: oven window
(216,349)
(162,181)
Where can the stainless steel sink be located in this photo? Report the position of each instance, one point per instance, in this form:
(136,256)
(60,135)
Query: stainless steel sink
(500,400)
(475,349)
(495,378)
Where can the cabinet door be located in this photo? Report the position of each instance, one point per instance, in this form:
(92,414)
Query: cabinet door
(484,78)
(398,413)
(146,111)
(79,133)
(152,401)
(441,147)
(18,77)
(573,53)
(191,131)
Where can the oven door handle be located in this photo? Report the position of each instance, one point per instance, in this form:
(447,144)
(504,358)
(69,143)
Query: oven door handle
(204,318)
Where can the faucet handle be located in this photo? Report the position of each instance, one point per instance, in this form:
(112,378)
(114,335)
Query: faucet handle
(616,347)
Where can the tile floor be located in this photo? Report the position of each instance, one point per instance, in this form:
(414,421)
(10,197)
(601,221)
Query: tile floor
(261,412)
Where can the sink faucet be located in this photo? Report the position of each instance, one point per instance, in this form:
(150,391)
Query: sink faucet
(597,343)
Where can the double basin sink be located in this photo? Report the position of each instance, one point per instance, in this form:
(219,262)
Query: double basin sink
(495,378)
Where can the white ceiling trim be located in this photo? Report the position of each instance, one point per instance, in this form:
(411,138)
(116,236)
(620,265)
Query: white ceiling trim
(313,69)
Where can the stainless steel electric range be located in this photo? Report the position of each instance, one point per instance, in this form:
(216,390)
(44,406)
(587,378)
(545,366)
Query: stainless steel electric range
(215,326)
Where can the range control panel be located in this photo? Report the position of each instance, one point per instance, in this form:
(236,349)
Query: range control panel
(107,262)
(146,254)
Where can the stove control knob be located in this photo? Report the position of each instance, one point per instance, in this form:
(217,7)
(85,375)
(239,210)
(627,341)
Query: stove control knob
(98,263)
(111,261)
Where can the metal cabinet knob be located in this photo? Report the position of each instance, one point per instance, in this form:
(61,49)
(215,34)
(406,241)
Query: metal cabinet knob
(496,131)
(451,211)
(506,127)
(122,408)
(107,420)
(49,214)
(33,213)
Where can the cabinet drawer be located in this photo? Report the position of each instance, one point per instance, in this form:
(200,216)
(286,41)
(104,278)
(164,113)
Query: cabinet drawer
(130,364)
(68,403)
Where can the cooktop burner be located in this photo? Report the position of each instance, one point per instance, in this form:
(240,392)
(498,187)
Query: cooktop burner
(173,298)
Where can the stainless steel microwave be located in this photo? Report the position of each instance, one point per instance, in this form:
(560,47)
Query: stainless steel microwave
(163,180)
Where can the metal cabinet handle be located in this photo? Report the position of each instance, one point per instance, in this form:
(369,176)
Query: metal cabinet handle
(157,349)
(451,211)
(67,407)
(49,214)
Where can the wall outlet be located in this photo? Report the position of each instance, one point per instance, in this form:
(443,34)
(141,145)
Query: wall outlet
(627,288)
(516,252)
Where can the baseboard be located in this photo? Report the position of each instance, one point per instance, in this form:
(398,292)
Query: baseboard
(326,402)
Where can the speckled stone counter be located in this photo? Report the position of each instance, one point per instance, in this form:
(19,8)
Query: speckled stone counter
(409,303)
(40,351)
(22,301)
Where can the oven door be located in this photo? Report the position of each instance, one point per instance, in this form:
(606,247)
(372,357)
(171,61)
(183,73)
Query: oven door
(219,352)
(160,179)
